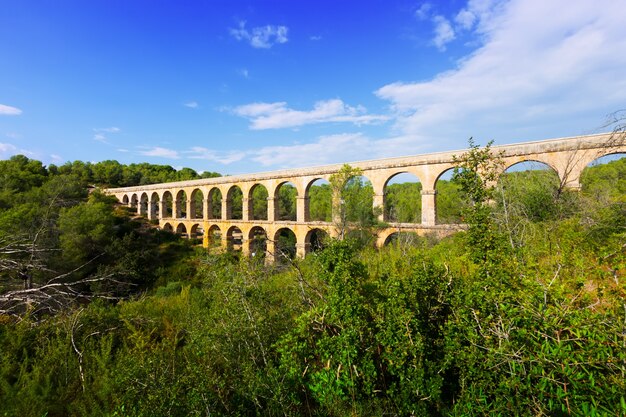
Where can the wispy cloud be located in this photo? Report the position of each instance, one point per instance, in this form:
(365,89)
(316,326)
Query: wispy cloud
(278,115)
(100,133)
(315,38)
(262,36)
(225,158)
(8,149)
(160,152)
(443,32)
(55,158)
(244,73)
(9,110)
(191,104)
(570,64)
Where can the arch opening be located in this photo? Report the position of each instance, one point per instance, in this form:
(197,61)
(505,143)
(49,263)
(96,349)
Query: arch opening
(285,245)
(214,236)
(357,202)
(258,242)
(604,179)
(134,201)
(403,199)
(315,240)
(529,190)
(168,205)
(197,204)
(215,203)
(234,203)
(181,230)
(286,196)
(258,202)
(168,228)
(154,210)
(196,232)
(181,205)
(403,239)
(234,238)
(320,201)
(143,204)
(449,202)
(125,200)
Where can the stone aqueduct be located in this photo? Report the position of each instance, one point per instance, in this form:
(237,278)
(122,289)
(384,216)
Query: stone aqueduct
(566,156)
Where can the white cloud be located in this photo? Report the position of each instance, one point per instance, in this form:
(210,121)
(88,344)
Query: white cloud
(13,135)
(424,11)
(100,133)
(9,111)
(443,32)
(8,149)
(278,115)
(315,38)
(56,158)
(160,152)
(244,73)
(540,64)
(262,36)
(191,104)
(198,152)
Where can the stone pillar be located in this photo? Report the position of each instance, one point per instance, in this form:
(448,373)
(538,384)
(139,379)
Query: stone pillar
(245,247)
(270,252)
(226,209)
(152,210)
(142,208)
(162,209)
(246,210)
(302,210)
(429,207)
(301,250)
(337,203)
(191,209)
(206,206)
(176,208)
(379,201)
(271,210)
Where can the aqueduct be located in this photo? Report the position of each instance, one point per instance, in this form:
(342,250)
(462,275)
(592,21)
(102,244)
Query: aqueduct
(187,207)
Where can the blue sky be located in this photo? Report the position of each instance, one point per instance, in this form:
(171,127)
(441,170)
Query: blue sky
(239,87)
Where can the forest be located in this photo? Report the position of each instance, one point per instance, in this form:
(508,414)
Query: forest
(522,313)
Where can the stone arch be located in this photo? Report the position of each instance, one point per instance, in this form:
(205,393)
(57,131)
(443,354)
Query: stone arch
(530,189)
(448,201)
(154,210)
(257,238)
(168,228)
(401,238)
(125,199)
(285,244)
(234,203)
(357,201)
(144,201)
(234,239)
(134,201)
(196,206)
(214,200)
(167,205)
(603,177)
(181,229)
(318,200)
(315,240)
(214,236)
(257,200)
(196,231)
(402,198)
(286,197)
(180,205)
(527,164)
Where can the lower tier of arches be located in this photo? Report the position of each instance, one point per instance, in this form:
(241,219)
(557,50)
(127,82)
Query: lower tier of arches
(273,240)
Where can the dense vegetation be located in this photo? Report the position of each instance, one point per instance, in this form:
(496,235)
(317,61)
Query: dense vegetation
(522,314)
